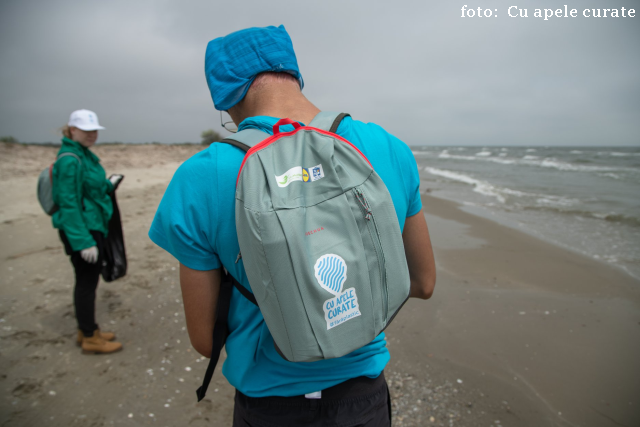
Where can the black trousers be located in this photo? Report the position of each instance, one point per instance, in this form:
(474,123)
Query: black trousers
(359,402)
(87,277)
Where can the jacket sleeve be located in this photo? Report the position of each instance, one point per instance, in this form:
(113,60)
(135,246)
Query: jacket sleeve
(109,186)
(69,200)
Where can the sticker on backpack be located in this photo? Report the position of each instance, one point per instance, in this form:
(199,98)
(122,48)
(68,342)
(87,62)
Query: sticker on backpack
(331,273)
(298,173)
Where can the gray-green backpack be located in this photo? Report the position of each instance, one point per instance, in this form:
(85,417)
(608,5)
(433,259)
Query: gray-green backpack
(319,239)
(45,186)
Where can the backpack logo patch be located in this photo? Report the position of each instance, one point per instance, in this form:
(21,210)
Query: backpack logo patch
(331,273)
(298,173)
(316,173)
(293,174)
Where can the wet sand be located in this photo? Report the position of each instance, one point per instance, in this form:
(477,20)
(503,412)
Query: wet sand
(518,333)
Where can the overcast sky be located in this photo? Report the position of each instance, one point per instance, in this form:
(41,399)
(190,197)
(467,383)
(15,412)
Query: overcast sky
(415,67)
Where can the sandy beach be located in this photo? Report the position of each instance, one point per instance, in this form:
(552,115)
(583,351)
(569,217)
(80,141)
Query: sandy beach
(519,332)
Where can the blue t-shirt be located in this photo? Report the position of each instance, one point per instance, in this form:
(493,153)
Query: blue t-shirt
(195,222)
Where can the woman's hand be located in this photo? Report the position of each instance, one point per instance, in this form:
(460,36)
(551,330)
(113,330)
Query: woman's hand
(115,180)
(90,255)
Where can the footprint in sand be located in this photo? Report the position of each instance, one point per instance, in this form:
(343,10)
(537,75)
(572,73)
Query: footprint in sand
(27,388)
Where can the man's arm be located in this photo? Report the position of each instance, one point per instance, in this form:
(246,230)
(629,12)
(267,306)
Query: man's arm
(422,265)
(200,291)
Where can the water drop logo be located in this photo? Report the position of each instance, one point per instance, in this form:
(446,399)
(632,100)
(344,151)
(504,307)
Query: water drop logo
(331,272)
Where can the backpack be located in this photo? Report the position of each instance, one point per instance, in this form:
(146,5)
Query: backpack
(319,239)
(45,186)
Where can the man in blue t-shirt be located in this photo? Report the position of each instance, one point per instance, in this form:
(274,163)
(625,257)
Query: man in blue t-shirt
(253,75)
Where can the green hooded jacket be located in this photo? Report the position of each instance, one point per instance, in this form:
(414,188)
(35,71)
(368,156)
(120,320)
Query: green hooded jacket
(83,198)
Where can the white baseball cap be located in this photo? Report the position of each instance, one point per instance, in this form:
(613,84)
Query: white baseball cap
(84,120)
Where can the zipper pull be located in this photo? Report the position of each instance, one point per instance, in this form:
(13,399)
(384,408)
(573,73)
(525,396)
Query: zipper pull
(239,256)
(364,204)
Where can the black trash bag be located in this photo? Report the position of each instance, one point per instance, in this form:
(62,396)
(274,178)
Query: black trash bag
(114,264)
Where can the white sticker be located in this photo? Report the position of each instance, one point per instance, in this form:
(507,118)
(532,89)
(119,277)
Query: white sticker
(341,308)
(316,173)
(293,174)
(298,173)
(314,395)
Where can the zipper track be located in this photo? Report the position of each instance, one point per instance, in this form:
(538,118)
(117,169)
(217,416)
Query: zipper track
(373,230)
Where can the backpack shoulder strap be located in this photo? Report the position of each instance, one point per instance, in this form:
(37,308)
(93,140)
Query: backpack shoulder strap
(328,120)
(246,139)
(221,328)
(220,331)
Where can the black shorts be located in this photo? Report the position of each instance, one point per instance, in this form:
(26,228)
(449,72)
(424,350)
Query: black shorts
(358,402)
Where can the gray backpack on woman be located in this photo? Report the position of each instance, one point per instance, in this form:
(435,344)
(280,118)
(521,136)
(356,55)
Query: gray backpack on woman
(45,186)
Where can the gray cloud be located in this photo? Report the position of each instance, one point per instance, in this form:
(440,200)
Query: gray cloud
(416,68)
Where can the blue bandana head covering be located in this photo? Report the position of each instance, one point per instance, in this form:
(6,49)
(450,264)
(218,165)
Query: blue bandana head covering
(232,62)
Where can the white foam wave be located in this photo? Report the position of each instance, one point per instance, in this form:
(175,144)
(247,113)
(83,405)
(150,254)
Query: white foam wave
(611,175)
(529,160)
(483,153)
(479,186)
(500,193)
(576,152)
(531,150)
(617,154)
(553,163)
(446,155)
(556,201)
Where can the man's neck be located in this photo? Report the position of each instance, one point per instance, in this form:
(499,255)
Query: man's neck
(275,102)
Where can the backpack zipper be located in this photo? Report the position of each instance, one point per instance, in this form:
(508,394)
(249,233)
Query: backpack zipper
(373,230)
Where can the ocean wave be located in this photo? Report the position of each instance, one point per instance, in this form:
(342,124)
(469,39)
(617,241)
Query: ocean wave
(609,217)
(534,161)
(551,162)
(501,193)
(445,155)
(546,200)
(483,153)
(617,154)
(611,175)
(479,186)
(619,218)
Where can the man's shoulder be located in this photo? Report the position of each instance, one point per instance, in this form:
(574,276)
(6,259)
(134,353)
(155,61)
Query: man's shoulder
(372,135)
(218,157)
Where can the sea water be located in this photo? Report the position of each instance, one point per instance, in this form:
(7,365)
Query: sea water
(583,198)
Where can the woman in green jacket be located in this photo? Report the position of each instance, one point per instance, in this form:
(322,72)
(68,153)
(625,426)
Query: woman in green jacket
(81,191)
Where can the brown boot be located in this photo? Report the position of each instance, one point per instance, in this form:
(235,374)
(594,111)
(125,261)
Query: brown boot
(96,344)
(109,336)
